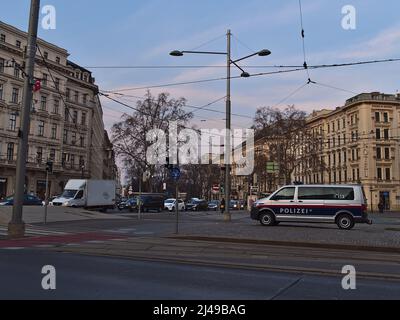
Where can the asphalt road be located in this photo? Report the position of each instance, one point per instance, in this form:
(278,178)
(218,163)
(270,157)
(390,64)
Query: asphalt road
(91,277)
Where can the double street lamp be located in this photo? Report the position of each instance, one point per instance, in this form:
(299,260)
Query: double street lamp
(244,74)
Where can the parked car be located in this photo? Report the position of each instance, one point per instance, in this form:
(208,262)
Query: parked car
(234,205)
(128,204)
(169,205)
(242,204)
(50,200)
(29,200)
(213,205)
(149,201)
(197,205)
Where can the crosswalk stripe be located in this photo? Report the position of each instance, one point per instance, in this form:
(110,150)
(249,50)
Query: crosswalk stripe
(32,231)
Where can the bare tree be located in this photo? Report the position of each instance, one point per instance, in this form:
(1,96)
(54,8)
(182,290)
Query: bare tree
(289,141)
(129,135)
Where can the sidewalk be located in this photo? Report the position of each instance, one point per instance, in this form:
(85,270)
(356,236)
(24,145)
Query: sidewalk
(35,214)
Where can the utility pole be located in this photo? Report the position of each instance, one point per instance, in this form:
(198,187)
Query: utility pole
(16,227)
(46,197)
(177,195)
(227,214)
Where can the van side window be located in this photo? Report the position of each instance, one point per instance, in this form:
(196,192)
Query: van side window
(325,193)
(284,194)
(79,195)
(343,194)
(312,193)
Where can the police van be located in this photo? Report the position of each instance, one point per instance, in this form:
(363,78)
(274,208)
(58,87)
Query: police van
(344,205)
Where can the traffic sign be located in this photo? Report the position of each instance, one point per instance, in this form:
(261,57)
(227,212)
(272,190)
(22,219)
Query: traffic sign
(175,173)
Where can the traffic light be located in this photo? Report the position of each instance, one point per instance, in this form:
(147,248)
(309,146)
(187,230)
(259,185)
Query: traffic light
(49,166)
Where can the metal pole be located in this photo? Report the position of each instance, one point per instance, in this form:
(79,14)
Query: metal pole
(16,227)
(46,197)
(227,215)
(176,208)
(176,198)
(139,199)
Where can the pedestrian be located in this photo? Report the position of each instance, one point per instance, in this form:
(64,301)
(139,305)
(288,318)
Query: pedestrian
(381,206)
(222,206)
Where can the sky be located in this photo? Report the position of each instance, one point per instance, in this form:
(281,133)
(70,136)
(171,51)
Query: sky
(142,33)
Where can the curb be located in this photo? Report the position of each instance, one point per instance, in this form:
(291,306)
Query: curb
(290,243)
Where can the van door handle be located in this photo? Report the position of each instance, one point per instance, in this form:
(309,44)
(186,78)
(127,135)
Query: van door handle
(300,201)
(291,200)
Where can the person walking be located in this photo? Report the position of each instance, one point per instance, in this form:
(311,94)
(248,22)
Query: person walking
(381,206)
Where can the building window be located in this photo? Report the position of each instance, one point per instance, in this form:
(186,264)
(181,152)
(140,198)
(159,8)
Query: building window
(1,91)
(2,65)
(73,138)
(15,95)
(10,151)
(16,70)
(66,114)
(39,154)
(81,161)
(72,160)
(43,103)
(82,141)
(40,128)
(385,117)
(386,134)
(18,44)
(379,173)
(83,119)
(76,96)
(57,83)
(63,159)
(75,117)
(2,37)
(378,153)
(67,93)
(13,122)
(344,123)
(378,134)
(85,98)
(85,77)
(56,106)
(52,154)
(65,136)
(387,174)
(387,153)
(45,54)
(377,117)
(54,131)
(58,60)
(44,79)
(354,174)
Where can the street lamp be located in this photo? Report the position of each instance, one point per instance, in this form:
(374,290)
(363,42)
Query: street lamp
(244,74)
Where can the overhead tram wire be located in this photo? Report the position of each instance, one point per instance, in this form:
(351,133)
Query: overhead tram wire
(299,68)
(188,106)
(303,40)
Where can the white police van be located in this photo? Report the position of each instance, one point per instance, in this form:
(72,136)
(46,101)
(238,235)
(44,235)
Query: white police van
(344,205)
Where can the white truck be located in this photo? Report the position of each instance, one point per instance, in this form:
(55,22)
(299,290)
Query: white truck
(87,194)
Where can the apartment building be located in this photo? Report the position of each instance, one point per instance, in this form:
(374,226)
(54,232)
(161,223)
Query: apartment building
(359,143)
(66,118)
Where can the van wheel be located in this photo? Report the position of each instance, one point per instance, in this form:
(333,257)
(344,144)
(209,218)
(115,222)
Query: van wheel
(267,219)
(345,221)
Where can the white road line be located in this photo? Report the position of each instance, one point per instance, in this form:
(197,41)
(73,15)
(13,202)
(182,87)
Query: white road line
(13,248)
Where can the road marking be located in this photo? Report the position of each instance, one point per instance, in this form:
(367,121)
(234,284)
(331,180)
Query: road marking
(44,246)
(94,241)
(13,248)
(143,232)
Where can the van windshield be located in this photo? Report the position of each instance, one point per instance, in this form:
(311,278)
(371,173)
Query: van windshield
(68,194)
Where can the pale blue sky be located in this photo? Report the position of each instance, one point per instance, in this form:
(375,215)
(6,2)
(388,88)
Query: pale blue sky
(122,32)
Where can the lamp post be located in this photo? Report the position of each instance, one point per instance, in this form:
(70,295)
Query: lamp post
(244,74)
